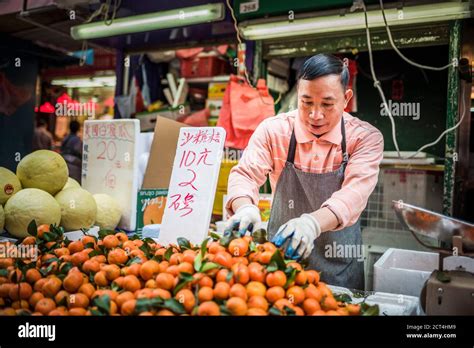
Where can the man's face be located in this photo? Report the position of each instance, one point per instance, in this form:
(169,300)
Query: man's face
(321,103)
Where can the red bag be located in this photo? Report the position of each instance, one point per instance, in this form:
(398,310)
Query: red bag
(243,108)
(197,119)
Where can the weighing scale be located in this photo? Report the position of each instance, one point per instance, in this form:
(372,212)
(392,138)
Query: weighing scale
(446,292)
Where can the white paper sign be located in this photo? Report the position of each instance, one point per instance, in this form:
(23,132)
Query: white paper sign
(193,184)
(109,163)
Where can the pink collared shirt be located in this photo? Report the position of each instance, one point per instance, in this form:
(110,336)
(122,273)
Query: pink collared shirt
(267,152)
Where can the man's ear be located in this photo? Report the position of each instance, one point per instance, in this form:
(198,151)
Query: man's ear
(347,96)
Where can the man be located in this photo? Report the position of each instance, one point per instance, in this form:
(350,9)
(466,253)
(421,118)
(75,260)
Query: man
(71,150)
(323,164)
(42,138)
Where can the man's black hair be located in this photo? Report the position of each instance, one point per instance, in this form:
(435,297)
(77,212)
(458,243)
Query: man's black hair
(324,64)
(74,127)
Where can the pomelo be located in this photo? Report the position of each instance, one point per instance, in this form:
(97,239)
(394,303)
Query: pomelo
(30,204)
(9,184)
(2,218)
(71,183)
(78,208)
(109,212)
(43,169)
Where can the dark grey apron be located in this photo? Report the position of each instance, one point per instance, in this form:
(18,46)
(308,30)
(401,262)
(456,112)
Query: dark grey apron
(336,254)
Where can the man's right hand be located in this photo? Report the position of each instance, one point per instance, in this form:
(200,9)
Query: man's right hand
(246,218)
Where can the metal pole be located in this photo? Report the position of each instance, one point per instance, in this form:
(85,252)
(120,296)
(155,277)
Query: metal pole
(451,119)
(257,62)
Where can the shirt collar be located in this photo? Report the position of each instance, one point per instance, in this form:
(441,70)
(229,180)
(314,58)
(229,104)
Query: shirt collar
(303,135)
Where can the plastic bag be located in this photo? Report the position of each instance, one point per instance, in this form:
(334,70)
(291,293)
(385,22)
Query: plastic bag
(243,108)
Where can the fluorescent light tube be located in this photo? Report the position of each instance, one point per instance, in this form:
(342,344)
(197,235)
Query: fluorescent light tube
(252,30)
(100,81)
(150,21)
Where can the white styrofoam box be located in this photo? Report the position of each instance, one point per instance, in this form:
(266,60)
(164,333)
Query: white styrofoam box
(379,240)
(404,272)
(144,146)
(76,235)
(6,238)
(389,304)
(151,231)
(395,304)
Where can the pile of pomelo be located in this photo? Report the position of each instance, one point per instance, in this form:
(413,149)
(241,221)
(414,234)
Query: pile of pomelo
(42,191)
(120,275)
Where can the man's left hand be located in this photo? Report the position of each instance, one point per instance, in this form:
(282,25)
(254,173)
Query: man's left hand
(301,233)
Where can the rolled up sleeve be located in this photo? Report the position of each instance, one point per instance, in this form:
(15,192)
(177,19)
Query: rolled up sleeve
(360,178)
(251,172)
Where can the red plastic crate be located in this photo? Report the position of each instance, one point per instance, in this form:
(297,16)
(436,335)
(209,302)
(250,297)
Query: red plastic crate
(203,67)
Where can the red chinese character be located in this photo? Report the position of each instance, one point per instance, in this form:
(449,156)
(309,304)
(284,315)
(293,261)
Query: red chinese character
(189,183)
(123,132)
(203,157)
(187,201)
(175,204)
(187,138)
(110,179)
(112,131)
(215,136)
(87,131)
(102,130)
(200,137)
(95,130)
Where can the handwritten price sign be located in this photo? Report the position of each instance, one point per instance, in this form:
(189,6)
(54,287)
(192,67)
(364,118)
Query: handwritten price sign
(109,163)
(193,184)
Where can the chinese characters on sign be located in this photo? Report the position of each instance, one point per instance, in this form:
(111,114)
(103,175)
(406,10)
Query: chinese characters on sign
(109,165)
(193,184)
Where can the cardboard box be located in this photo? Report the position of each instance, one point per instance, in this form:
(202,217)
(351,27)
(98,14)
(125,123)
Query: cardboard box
(148,119)
(216,90)
(163,150)
(151,205)
(214,106)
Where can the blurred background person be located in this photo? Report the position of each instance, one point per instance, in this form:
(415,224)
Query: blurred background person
(42,138)
(71,150)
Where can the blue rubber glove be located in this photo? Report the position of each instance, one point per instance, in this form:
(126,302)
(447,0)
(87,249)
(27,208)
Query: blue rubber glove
(301,233)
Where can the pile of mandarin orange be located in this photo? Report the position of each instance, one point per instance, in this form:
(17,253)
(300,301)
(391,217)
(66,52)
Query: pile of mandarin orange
(118,275)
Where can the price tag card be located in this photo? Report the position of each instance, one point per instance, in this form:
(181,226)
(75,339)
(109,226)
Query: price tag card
(109,163)
(193,184)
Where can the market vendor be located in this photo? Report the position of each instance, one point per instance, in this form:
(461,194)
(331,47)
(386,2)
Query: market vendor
(323,165)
